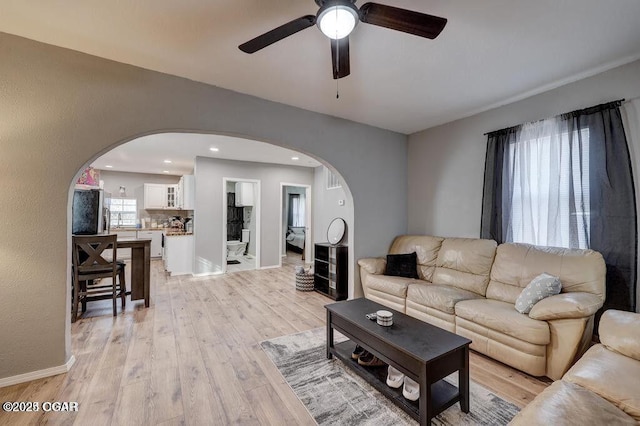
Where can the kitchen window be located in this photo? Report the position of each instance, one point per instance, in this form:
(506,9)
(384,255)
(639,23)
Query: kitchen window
(124,212)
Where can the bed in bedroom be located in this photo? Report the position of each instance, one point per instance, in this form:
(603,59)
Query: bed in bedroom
(295,238)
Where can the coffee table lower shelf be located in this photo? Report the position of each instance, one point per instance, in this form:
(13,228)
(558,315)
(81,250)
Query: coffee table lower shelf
(443,394)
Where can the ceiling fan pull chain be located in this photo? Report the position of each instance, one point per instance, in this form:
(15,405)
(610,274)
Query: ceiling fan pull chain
(337,70)
(337,67)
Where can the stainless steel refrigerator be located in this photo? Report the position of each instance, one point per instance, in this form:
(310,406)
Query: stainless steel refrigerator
(90,212)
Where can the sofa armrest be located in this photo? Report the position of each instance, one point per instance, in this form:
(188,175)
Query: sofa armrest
(373,265)
(620,332)
(566,305)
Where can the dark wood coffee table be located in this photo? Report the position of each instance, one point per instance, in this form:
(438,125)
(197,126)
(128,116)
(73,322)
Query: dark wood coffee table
(421,351)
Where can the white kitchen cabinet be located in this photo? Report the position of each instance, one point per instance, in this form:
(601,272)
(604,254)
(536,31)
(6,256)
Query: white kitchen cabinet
(178,254)
(172,197)
(159,196)
(156,241)
(155,196)
(244,194)
(186,192)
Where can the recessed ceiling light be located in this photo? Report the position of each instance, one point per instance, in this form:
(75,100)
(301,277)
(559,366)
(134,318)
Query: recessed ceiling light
(165,171)
(214,149)
(109,166)
(295,158)
(167,161)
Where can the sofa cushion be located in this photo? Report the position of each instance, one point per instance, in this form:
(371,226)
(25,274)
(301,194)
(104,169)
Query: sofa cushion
(620,331)
(440,297)
(542,286)
(396,286)
(426,248)
(465,263)
(517,264)
(402,265)
(567,404)
(502,317)
(373,265)
(613,376)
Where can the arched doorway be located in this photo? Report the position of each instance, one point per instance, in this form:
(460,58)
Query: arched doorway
(213,166)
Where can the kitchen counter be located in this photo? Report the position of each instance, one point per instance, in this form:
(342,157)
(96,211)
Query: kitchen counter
(171,233)
(168,231)
(133,228)
(178,252)
(155,235)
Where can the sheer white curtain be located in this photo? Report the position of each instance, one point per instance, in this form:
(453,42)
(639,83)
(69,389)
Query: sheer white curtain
(298,210)
(546,191)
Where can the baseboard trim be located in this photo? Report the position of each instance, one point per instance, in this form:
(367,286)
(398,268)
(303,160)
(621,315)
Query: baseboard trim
(39,374)
(207,274)
(270,267)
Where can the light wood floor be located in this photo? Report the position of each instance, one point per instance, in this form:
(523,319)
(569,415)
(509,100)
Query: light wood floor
(194,358)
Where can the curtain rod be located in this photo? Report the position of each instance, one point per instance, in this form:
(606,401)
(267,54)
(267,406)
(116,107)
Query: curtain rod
(577,110)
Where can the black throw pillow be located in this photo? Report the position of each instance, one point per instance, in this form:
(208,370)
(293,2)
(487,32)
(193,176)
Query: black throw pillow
(402,265)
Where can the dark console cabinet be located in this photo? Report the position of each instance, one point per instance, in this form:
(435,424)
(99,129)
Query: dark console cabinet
(330,271)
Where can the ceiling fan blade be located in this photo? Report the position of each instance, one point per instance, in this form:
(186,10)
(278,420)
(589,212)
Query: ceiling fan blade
(278,34)
(340,58)
(407,21)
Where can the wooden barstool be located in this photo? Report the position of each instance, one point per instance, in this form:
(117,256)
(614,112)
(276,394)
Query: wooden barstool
(89,264)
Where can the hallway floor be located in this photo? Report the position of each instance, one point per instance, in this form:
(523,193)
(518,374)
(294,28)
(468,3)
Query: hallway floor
(247,263)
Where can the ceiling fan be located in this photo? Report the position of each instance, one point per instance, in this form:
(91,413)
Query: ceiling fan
(337,19)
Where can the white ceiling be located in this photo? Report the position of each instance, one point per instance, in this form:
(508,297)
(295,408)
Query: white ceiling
(148,154)
(491,52)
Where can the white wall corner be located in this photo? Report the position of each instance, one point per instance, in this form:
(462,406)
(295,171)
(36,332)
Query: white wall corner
(39,374)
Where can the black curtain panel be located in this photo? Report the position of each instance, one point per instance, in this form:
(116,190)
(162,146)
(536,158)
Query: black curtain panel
(496,193)
(612,205)
(613,230)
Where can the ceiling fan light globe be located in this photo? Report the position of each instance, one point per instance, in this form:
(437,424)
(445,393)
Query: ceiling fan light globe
(337,22)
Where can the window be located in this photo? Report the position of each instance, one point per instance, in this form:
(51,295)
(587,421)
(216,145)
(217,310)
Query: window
(124,211)
(333,181)
(296,210)
(567,182)
(549,169)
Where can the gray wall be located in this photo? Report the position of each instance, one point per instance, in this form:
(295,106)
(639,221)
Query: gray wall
(134,184)
(209,174)
(327,207)
(61,109)
(446,163)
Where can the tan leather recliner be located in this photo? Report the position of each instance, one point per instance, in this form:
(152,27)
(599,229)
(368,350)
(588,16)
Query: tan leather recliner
(602,388)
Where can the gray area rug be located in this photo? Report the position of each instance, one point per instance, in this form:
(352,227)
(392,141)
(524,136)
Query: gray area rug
(335,395)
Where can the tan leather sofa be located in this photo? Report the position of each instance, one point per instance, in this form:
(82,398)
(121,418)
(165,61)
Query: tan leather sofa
(602,388)
(469,287)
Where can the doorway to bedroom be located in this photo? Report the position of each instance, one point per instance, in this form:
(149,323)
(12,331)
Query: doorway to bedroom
(295,241)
